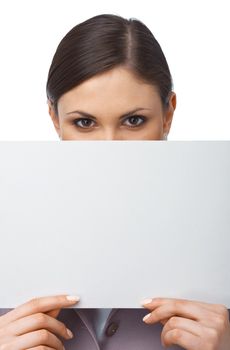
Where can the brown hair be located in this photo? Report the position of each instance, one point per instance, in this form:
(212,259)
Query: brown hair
(104,42)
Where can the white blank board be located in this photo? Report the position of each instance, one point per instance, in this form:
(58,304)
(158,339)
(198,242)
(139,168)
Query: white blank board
(115,221)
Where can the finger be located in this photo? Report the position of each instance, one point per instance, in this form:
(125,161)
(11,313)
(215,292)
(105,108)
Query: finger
(164,321)
(185,324)
(182,338)
(53,313)
(179,308)
(41,347)
(38,321)
(155,302)
(37,338)
(41,304)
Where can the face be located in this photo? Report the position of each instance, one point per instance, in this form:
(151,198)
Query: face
(113,105)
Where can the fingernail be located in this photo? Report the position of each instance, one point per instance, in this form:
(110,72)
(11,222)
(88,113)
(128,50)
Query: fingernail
(72,298)
(147,316)
(70,334)
(146,301)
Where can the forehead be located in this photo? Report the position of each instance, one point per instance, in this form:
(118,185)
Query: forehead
(116,89)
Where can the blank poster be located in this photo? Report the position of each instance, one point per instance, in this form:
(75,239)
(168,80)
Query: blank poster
(115,221)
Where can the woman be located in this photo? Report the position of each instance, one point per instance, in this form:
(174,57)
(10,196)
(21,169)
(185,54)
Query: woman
(109,80)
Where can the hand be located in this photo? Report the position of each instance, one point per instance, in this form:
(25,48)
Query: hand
(192,325)
(33,325)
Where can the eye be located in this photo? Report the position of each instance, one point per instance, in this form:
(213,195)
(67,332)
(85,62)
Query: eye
(83,122)
(135,120)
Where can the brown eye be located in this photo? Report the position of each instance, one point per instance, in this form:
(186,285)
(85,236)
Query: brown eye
(135,120)
(83,122)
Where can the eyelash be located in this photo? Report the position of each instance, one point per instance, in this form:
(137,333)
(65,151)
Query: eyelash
(129,126)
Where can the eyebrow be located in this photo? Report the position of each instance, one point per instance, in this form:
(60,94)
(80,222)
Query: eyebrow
(84,114)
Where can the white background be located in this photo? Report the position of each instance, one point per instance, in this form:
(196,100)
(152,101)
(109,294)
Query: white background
(194,36)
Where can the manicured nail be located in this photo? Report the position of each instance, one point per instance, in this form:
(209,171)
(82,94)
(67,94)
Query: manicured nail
(70,334)
(72,298)
(146,301)
(147,316)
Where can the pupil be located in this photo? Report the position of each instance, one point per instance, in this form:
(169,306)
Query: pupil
(86,122)
(133,119)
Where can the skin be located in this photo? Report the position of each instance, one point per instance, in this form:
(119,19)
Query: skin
(108,96)
(190,324)
(193,325)
(33,325)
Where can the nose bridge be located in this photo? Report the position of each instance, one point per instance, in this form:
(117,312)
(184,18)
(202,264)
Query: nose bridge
(110,133)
